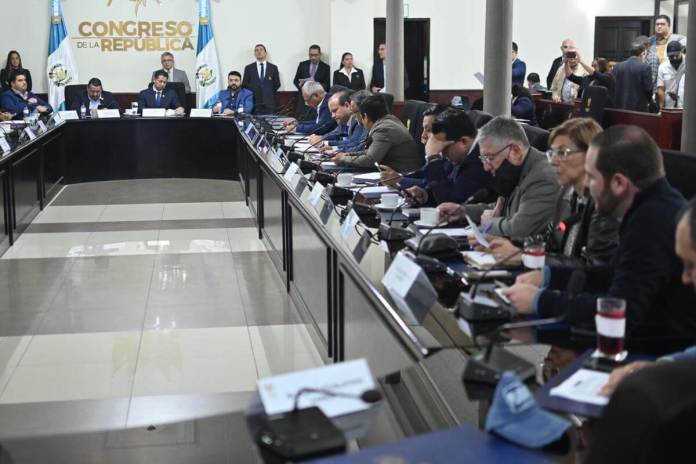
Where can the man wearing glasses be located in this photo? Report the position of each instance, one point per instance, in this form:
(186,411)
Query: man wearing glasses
(316,98)
(522,178)
(173,74)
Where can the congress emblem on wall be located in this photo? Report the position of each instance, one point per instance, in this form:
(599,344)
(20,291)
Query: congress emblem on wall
(138,4)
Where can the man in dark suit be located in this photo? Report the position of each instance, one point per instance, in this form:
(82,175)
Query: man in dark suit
(379,72)
(315,69)
(558,62)
(94,98)
(519,67)
(634,85)
(262,78)
(158,97)
(316,98)
(17,98)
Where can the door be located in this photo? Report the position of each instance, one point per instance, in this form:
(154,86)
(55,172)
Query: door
(614,35)
(416,54)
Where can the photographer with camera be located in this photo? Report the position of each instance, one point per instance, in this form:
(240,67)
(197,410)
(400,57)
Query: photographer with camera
(563,89)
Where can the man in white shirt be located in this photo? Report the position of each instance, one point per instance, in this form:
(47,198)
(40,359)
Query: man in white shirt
(670,78)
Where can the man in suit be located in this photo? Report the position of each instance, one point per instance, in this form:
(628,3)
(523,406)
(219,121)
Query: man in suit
(379,72)
(173,74)
(519,67)
(229,101)
(316,98)
(634,85)
(523,179)
(390,143)
(339,108)
(262,78)
(17,98)
(314,69)
(94,97)
(566,45)
(158,97)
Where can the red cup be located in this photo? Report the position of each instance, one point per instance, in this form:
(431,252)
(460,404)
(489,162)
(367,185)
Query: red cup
(611,327)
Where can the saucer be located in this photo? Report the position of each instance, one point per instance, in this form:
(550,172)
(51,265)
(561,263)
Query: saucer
(386,208)
(420,223)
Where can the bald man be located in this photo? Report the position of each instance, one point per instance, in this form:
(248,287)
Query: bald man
(566,45)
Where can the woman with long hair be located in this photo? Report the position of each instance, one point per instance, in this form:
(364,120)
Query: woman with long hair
(13,63)
(348,75)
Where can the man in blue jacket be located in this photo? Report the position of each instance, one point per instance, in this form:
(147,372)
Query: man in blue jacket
(17,98)
(519,67)
(158,96)
(234,97)
(316,97)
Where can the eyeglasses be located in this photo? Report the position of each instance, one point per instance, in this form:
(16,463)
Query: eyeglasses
(488,159)
(561,153)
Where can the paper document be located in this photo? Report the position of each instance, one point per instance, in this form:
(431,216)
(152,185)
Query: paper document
(368,176)
(328,164)
(374,191)
(477,233)
(583,386)
(453,232)
(479,259)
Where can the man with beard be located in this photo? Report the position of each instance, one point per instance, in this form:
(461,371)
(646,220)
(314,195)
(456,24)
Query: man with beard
(231,100)
(627,181)
(523,179)
(670,78)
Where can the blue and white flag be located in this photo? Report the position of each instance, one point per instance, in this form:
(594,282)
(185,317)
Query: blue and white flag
(61,69)
(207,64)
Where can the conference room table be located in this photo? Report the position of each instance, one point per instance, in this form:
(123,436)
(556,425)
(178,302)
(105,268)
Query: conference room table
(339,293)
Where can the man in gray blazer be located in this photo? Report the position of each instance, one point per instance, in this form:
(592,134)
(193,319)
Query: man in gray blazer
(389,143)
(523,179)
(175,75)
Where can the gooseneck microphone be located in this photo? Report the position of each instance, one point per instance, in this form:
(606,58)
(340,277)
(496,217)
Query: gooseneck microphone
(309,135)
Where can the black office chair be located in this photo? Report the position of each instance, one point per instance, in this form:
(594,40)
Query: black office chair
(680,169)
(595,100)
(389,100)
(338,88)
(538,137)
(71,91)
(479,118)
(410,115)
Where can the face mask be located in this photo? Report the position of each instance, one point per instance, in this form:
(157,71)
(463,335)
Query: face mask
(506,178)
(676,63)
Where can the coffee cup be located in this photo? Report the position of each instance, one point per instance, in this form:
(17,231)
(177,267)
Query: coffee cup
(430,216)
(389,200)
(344,179)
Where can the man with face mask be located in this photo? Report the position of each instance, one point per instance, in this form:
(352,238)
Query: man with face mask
(233,99)
(458,173)
(523,179)
(670,78)
(627,181)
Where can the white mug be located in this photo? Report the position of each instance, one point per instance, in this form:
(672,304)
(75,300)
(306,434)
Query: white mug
(430,216)
(344,179)
(389,200)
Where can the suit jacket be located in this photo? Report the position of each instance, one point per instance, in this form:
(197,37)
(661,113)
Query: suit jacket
(178,76)
(645,271)
(455,183)
(357,138)
(5,79)
(391,144)
(523,108)
(557,63)
(519,70)
(13,103)
(530,206)
(168,101)
(356,81)
(323,124)
(107,101)
(244,97)
(634,85)
(264,91)
(378,76)
(322,75)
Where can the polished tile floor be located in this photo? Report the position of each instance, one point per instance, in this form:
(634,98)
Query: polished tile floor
(140,302)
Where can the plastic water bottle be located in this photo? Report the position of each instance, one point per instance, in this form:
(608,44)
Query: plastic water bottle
(25,114)
(240,110)
(83,112)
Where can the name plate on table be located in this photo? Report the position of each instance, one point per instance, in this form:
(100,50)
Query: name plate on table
(4,146)
(348,379)
(68,115)
(326,210)
(291,171)
(57,118)
(154,112)
(361,247)
(315,196)
(30,133)
(410,289)
(42,127)
(349,224)
(201,113)
(301,186)
(108,114)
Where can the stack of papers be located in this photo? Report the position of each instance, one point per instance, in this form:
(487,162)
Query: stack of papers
(479,259)
(367,177)
(374,192)
(583,386)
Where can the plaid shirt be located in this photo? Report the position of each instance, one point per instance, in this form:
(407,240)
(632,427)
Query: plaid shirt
(653,61)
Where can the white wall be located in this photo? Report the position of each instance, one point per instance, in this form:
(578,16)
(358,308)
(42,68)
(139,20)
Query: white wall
(289,26)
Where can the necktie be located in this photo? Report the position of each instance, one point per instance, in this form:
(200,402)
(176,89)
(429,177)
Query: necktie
(312,70)
(263,71)
(157,98)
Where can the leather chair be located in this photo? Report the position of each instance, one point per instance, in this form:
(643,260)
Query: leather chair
(479,118)
(538,137)
(71,92)
(680,169)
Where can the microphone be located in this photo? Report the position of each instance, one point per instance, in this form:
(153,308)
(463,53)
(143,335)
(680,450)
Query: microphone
(361,207)
(309,135)
(368,396)
(487,271)
(478,196)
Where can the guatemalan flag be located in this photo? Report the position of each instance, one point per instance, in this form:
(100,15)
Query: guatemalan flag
(207,64)
(61,69)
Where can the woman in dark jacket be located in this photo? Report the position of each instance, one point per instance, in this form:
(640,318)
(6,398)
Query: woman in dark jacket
(349,76)
(522,105)
(13,63)
(579,234)
(599,75)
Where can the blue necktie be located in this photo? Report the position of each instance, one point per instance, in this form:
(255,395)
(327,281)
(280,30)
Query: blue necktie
(157,99)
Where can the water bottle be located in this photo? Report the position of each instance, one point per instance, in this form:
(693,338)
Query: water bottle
(240,110)
(25,114)
(83,112)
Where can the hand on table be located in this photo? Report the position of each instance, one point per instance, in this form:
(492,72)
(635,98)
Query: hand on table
(501,248)
(338,157)
(618,375)
(315,139)
(389,175)
(179,110)
(418,194)
(521,297)
(451,212)
(535,278)
(228,112)
(489,214)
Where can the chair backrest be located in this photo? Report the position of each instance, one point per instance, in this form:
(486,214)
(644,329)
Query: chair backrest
(180,90)
(70,92)
(538,137)
(479,118)
(595,99)
(680,169)
(410,115)
(389,99)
